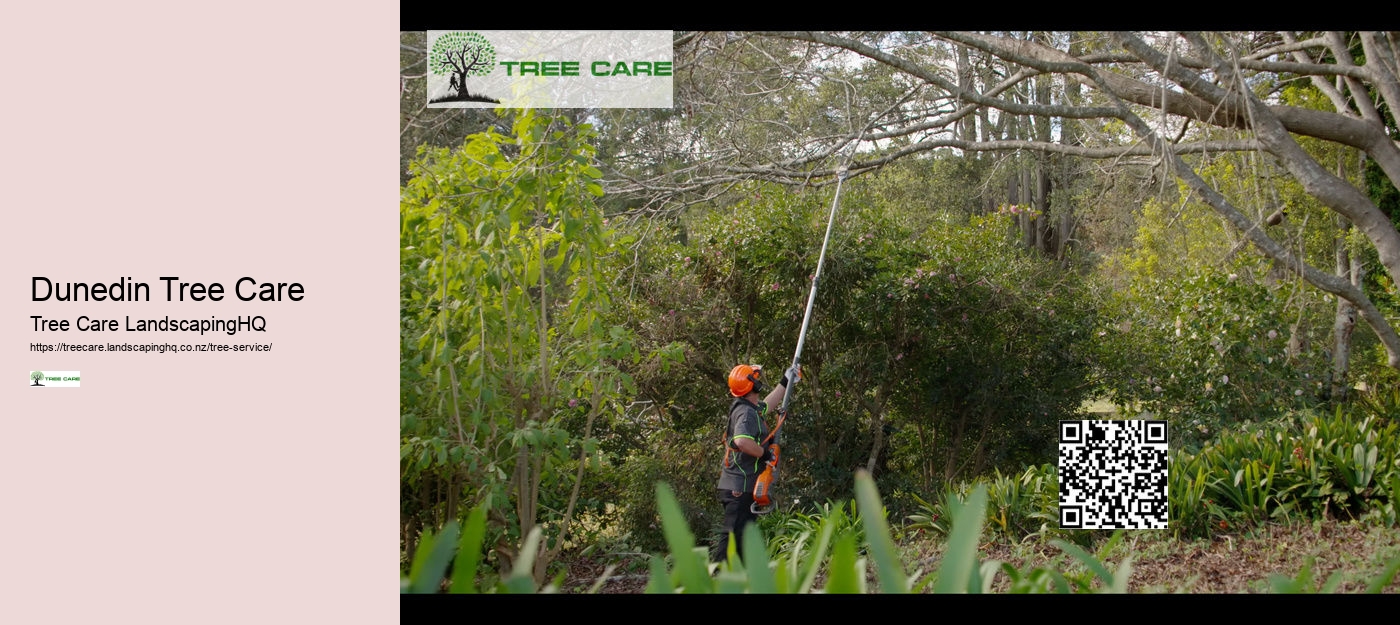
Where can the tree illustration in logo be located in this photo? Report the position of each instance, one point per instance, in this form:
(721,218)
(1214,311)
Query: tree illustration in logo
(459,55)
(36,376)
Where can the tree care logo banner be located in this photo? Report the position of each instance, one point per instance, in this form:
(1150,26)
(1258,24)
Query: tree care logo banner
(54,379)
(549,69)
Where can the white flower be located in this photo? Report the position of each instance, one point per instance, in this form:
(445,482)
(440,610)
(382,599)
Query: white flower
(1224,379)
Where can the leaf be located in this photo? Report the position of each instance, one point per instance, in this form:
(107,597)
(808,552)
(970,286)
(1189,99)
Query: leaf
(756,559)
(1089,561)
(1378,584)
(522,579)
(469,552)
(960,557)
(427,578)
(660,582)
(814,563)
(689,570)
(842,574)
(877,536)
(602,579)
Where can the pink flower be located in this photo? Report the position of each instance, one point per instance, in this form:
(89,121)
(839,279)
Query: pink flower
(838,393)
(899,357)
(687,259)
(1273,334)
(573,403)
(776,287)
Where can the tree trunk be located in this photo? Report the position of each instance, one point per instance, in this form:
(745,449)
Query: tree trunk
(967,128)
(453,486)
(462,85)
(1044,232)
(1027,194)
(877,422)
(1345,319)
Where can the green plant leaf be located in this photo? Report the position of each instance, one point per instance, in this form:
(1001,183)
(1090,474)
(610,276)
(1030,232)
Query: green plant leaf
(660,582)
(1378,584)
(690,570)
(960,556)
(469,552)
(877,536)
(760,577)
(427,578)
(522,580)
(842,575)
(815,558)
(1093,564)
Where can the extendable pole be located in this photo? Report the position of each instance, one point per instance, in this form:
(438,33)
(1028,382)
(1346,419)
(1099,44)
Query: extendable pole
(816,278)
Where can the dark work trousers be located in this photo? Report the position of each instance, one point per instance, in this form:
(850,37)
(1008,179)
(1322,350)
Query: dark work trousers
(738,513)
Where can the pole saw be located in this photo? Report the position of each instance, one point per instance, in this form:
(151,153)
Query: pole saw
(762,490)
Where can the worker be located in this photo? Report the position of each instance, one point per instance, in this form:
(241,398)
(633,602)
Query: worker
(745,453)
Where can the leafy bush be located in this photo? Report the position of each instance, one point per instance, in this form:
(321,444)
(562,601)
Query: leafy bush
(1342,464)
(950,337)
(961,570)
(1206,350)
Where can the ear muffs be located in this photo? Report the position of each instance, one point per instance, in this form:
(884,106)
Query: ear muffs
(758,385)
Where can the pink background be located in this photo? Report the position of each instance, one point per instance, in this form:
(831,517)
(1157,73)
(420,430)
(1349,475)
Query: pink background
(209,142)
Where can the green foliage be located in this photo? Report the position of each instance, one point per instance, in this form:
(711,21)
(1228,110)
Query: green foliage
(1339,463)
(462,51)
(921,339)
(794,571)
(1020,506)
(435,552)
(507,355)
(1303,583)
(790,530)
(1206,350)
(1342,464)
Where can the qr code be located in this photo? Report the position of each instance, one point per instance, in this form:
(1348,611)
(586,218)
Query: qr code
(1113,474)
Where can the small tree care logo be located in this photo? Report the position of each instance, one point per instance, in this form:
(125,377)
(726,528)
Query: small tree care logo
(55,379)
(459,55)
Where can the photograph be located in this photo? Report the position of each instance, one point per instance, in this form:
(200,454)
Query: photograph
(898,312)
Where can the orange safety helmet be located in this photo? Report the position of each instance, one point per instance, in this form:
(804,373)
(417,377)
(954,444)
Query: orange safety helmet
(742,379)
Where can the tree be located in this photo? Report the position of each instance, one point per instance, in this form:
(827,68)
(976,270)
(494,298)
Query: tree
(420,125)
(36,376)
(462,54)
(1160,99)
(505,340)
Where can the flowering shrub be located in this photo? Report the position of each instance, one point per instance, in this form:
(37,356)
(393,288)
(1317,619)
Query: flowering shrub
(1209,349)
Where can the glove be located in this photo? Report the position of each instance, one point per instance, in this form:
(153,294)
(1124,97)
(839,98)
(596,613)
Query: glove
(792,375)
(767,455)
